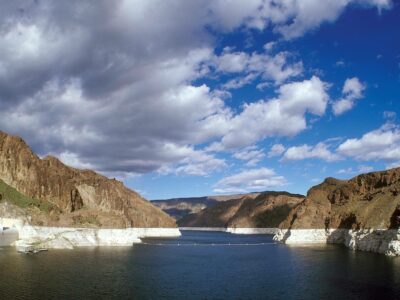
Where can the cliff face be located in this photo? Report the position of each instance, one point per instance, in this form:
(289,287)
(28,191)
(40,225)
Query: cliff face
(75,197)
(366,201)
(267,210)
(181,207)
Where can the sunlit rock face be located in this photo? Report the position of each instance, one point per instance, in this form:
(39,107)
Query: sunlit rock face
(73,197)
(366,201)
(362,213)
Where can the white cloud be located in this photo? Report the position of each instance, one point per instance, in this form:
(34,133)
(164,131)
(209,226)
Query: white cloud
(365,169)
(251,154)
(345,171)
(359,169)
(250,180)
(291,18)
(340,63)
(316,180)
(380,144)
(301,16)
(72,159)
(277,68)
(102,84)
(392,165)
(269,46)
(232,62)
(353,88)
(390,115)
(320,151)
(281,116)
(276,150)
(240,81)
(192,162)
(352,91)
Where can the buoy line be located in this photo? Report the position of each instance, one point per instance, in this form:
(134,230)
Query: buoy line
(209,244)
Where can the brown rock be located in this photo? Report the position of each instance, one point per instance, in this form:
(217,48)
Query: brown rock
(267,210)
(366,201)
(74,192)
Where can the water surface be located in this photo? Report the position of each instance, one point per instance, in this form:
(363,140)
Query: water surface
(200,265)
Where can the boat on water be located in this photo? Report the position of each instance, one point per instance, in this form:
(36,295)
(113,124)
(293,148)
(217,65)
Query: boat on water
(8,236)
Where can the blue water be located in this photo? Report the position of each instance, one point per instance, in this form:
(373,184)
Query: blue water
(200,265)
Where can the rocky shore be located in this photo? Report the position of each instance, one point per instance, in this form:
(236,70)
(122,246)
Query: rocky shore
(70,237)
(384,241)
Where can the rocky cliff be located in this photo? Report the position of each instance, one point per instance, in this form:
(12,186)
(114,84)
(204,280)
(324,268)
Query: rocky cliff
(367,201)
(267,210)
(181,207)
(65,196)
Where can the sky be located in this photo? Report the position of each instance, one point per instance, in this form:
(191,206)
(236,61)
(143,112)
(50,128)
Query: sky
(191,98)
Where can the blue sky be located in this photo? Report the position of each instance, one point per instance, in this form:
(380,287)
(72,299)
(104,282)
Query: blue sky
(182,98)
(360,43)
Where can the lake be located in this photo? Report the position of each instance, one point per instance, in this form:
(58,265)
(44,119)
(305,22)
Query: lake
(200,265)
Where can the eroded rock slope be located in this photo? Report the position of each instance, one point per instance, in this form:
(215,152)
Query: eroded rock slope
(267,210)
(369,201)
(65,196)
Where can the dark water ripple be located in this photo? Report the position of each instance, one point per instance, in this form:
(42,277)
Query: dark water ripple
(200,265)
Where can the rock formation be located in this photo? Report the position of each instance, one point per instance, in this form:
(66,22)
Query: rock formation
(267,210)
(361,213)
(366,201)
(65,196)
(180,207)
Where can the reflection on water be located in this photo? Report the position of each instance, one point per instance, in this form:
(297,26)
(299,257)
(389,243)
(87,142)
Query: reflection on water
(200,265)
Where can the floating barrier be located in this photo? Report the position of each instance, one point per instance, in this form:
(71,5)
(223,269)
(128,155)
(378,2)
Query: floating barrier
(208,244)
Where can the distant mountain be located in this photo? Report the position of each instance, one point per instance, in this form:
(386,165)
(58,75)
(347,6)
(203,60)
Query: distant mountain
(366,201)
(180,207)
(53,194)
(267,209)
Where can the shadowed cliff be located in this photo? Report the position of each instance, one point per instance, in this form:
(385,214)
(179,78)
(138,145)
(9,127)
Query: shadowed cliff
(181,207)
(268,209)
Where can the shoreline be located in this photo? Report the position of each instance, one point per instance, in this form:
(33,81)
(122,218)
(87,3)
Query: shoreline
(70,237)
(383,241)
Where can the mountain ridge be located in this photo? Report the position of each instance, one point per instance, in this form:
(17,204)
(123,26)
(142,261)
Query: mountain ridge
(180,207)
(267,209)
(370,200)
(76,194)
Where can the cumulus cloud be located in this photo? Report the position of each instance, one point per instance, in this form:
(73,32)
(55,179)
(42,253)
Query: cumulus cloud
(290,18)
(102,85)
(298,17)
(380,144)
(281,116)
(392,165)
(352,91)
(276,150)
(359,169)
(250,180)
(193,162)
(276,68)
(251,154)
(305,151)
